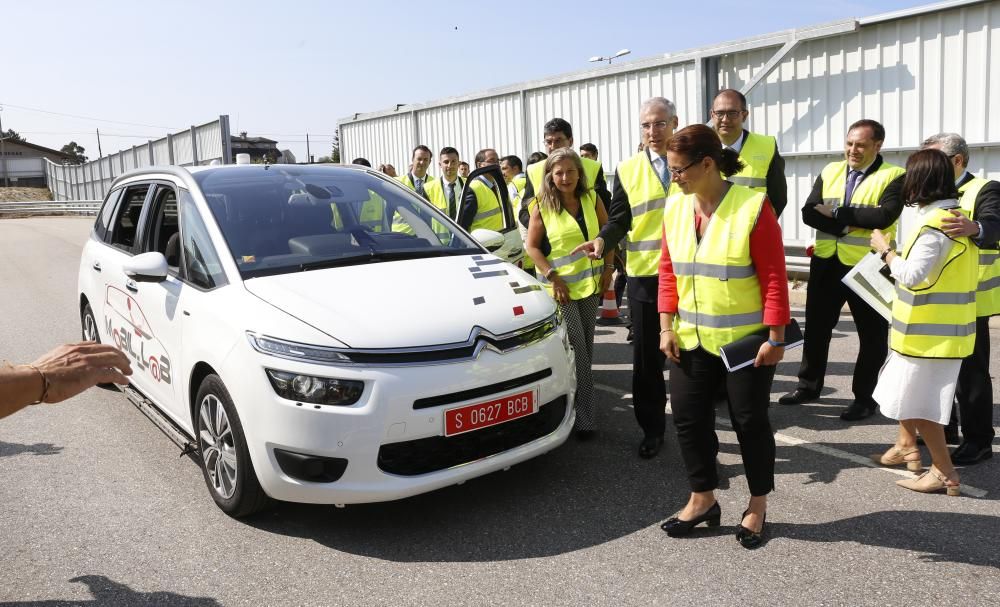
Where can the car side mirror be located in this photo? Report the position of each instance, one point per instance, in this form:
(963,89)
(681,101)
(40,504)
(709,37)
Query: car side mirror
(147,267)
(488,238)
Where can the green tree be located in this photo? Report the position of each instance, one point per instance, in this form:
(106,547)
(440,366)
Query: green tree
(75,151)
(335,153)
(11,135)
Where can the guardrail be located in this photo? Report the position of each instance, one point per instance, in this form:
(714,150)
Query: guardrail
(49,207)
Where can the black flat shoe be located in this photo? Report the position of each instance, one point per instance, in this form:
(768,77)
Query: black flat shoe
(968,454)
(798,396)
(858,411)
(750,539)
(675,527)
(650,446)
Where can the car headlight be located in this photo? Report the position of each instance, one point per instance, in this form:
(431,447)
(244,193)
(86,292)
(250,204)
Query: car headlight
(315,390)
(288,349)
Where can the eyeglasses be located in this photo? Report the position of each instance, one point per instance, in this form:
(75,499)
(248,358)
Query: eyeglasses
(680,171)
(659,125)
(731,114)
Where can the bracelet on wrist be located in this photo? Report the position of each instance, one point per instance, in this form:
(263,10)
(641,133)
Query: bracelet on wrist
(45,384)
(662,331)
(776,344)
(885,254)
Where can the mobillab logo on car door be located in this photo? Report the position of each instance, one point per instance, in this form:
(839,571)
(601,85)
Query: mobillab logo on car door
(133,336)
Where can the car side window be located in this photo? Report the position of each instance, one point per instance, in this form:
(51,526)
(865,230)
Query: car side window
(163,234)
(126,225)
(103,222)
(201,264)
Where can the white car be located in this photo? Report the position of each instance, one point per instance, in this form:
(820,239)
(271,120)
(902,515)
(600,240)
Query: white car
(321,334)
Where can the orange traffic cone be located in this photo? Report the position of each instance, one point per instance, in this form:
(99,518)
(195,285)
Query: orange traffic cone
(609,309)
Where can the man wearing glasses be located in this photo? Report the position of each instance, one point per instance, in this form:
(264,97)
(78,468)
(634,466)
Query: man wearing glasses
(642,186)
(765,168)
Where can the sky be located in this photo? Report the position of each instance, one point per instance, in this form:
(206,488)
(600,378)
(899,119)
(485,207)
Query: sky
(137,70)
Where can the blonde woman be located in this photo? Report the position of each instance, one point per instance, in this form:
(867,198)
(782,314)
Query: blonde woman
(568,214)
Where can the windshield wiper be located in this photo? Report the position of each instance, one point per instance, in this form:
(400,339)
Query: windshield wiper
(379,256)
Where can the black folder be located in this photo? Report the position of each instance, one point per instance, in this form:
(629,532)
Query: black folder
(743,352)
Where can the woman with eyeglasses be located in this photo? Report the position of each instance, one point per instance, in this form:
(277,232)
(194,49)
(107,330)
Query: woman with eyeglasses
(933,324)
(568,214)
(722,278)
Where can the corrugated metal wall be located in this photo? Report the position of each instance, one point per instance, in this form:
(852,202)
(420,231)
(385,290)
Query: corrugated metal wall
(918,73)
(91,180)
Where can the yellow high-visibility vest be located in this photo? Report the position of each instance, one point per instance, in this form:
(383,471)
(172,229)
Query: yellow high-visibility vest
(854,245)
(647,199)
(718,290)
(937,318)
(489,215)
(756,154)
(988,291)
(581,274)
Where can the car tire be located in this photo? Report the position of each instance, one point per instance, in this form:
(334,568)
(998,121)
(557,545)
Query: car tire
(222,447)
(88,324)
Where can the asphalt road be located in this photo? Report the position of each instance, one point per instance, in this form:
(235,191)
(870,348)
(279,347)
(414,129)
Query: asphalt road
(97,507)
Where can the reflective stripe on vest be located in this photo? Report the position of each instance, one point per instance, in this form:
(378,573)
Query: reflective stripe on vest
(757,153)
(988,295)
(488,212)
(937,318)
(580,273)
(718,290)
(647,201)
(854,245)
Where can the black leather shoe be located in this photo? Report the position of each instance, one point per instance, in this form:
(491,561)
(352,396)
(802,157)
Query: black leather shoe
(750,539)
(798,396)
(968,454)
(951,436)
(858,411)
(650,446)
(675,527)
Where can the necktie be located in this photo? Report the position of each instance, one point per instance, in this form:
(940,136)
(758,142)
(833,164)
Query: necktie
(660,164)
(852,182)
(418,185)
(451,200)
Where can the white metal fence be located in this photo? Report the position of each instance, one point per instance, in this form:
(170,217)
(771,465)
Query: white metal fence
(91,180)
(918,71)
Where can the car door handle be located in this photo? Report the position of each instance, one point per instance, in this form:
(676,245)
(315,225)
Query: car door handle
(131,286)
(97,266)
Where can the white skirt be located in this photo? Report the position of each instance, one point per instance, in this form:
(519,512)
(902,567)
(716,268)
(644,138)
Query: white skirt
(917,388)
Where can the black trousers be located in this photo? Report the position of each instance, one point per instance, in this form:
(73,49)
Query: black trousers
(975,390)
(825,297)
(694,384)
(649,394)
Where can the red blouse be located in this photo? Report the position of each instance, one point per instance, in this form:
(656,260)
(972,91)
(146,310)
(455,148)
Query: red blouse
(768,254)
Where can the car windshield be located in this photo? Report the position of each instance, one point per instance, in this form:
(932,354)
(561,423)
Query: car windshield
(280,219)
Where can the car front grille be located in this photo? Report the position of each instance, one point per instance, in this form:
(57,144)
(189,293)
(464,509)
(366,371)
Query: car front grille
(411,458)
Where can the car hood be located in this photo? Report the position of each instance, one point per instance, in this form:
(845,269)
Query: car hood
(411,303)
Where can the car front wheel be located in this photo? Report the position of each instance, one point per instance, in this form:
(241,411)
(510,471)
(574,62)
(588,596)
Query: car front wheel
(225,460)
(89,324)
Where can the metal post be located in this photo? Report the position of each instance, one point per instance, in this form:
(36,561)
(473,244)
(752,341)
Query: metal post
(152,159)
(100,154)
(194,145)
(227,142)
(309,157)
(3,155)
(170,149)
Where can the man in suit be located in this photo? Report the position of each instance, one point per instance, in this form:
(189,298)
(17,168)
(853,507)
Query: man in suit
(445,192)
(764,169)
(850,198)
(642,186)
(417,178)
(480,200)
(974,393)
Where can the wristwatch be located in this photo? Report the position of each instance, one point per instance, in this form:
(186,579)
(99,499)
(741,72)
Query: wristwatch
(884,254)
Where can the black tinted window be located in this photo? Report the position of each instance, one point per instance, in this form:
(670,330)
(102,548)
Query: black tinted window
(107,212)
(127,223)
